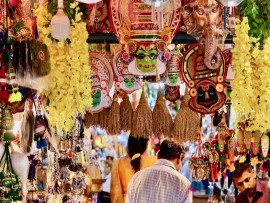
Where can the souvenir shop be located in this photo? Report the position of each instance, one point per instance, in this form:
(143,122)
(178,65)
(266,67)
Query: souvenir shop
(77,77)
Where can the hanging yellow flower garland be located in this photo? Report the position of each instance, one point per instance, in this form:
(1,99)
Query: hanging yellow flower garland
(251,84)
(70,85)
(241,85)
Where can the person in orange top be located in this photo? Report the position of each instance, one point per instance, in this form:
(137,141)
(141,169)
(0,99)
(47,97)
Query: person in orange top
(124,168)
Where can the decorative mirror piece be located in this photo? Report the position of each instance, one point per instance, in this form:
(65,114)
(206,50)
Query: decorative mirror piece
(102,80)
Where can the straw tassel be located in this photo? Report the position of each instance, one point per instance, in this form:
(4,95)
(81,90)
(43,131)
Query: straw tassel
(114,126)
(103,118)
(162,120)
(142,121)
(87,119)
(126,113)
(93,119)
(186,123)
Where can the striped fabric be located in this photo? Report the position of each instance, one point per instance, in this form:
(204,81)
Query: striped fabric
(160,183)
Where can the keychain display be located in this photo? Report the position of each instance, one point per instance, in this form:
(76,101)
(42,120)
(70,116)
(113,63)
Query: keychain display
(10,184)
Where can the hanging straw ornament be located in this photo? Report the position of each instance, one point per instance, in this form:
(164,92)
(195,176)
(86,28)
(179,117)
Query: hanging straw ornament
(95,120)
(142,121)
(60,24)
(91,119)
(162,120)
(186,122)
(103,118)
(126,114)
(87,119)
(114,125)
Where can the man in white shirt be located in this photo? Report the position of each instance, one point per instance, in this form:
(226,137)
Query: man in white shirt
(161,183)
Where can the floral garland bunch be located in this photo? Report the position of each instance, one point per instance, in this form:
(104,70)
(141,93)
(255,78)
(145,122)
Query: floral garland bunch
(70,85)
(251,84)
(241,85)
(261,87)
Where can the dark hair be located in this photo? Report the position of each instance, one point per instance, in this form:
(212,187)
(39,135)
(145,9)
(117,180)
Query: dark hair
(135,146)
(171,150)
(240,168)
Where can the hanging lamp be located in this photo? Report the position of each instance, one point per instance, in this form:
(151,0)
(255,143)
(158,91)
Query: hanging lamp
(230,3)
(157,11)
(60,24)
(89,1)
(156,3)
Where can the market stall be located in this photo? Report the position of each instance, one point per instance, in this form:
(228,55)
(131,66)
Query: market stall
(78,77)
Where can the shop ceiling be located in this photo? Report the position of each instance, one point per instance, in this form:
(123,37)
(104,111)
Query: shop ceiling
(180,38)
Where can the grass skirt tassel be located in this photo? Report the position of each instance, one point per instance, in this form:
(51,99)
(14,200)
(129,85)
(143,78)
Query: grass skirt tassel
(162,120)
(126,113)
(186,122)
(142,122)
(114,125)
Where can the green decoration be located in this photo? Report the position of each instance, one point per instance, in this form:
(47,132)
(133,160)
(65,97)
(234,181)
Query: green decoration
(173,79)
(96,98)
(129,82)
(146,60)
(258,14)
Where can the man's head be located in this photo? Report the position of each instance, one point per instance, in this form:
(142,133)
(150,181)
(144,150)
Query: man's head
(244,178)
(173,152)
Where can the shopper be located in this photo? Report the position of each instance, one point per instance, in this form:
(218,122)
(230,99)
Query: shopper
(124,168)
(251,190)
(161,183)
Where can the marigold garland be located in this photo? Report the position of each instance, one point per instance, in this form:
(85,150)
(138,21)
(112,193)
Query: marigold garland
(70,85)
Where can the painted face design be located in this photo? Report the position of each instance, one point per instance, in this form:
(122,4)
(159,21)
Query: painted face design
(173,79)
(129,82)
(207,95)
(146,60)
(96,97)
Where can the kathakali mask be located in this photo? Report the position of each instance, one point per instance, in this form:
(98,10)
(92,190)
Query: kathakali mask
(146,61)
(206,85)
(143,37)
(125,81)
(173,70)
(102,79)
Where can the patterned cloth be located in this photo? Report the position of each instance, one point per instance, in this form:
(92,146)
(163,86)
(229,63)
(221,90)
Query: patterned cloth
(262,194)
(160,183)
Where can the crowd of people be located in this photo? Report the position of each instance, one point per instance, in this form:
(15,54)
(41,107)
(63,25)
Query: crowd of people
(141,178)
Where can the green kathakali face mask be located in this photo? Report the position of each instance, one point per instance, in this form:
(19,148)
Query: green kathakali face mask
(96,98)
(129,82)
(146,60)
(173,79)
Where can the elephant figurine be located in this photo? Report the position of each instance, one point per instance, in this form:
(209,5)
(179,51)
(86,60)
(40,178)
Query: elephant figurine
(203,20)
